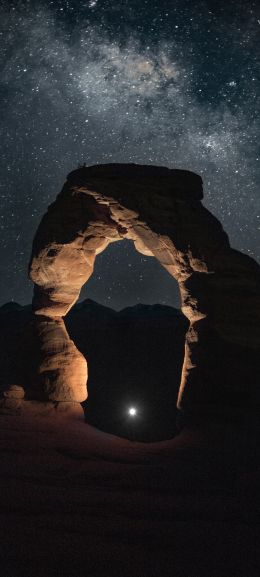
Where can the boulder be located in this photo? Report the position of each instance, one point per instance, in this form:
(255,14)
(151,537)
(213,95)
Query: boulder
(12,392)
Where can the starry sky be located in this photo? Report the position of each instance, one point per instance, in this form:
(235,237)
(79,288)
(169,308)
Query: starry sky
(165,82)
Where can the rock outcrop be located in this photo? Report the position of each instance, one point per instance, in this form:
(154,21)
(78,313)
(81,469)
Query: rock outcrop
(160,210)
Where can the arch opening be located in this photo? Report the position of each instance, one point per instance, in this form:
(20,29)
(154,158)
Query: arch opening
(134,350)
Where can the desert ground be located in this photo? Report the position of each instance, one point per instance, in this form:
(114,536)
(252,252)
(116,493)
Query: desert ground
(76,501)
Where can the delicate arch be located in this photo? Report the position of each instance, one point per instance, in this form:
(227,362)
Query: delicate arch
(160,210)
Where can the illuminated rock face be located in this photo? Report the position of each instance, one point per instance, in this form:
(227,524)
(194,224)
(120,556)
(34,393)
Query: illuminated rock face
(160,210)
(62,369)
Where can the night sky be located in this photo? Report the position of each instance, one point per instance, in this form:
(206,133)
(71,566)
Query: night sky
(172,83)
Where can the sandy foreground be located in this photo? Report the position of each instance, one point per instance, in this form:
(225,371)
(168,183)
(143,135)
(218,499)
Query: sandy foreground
(78,502)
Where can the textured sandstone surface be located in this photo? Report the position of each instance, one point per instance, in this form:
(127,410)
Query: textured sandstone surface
(62,369)
(160,210)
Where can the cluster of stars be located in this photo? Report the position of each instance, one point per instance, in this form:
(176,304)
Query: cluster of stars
(107,81)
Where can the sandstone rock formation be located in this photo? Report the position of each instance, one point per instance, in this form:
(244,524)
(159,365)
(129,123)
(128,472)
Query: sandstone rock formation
(160,210)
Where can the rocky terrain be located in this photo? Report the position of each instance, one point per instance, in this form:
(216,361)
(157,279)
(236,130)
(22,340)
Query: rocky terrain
(134,357)
(76,501)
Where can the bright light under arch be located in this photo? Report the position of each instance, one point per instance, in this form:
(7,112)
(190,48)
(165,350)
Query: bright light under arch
(132,412)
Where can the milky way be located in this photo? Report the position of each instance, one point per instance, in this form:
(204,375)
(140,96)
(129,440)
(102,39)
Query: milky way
(167,83)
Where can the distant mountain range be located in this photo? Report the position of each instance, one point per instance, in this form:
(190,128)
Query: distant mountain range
(96,309)
(134,358)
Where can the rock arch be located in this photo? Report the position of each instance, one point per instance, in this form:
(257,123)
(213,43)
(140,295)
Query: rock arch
(160,210)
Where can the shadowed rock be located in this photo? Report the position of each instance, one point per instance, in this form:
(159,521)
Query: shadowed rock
(160,210)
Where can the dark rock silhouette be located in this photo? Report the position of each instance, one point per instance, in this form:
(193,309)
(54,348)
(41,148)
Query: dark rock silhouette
(135,358)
